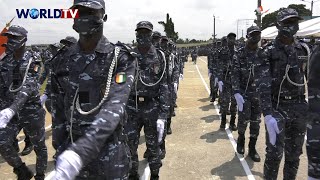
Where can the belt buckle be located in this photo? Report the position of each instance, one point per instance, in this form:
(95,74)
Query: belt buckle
(288,97)
(141,99)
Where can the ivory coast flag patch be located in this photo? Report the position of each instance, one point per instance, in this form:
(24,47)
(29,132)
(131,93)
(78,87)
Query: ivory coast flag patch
(121,77)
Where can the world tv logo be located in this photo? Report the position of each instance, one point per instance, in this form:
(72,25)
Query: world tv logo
(47,13)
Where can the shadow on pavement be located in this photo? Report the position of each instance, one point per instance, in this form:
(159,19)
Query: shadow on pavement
(251,165)
(204,99)
(207,107)
(142,139)
(229,170)
(211,118)
(214,136)
(142,165)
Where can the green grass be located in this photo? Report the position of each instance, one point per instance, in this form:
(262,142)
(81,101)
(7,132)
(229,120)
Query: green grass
(43,87)
(192,44)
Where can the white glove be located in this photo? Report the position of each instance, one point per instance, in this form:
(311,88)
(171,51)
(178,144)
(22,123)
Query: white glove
(68,166)
(215,82)
(160,129)
(175,87)
(239,100)
(5,117)
(181,77)
(272,127)
(209,74)
(311,178)
(43,99)
(220,84)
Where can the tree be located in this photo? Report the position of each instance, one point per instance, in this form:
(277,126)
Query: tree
(169,28)
(180,41)
(271,18)
(301,9)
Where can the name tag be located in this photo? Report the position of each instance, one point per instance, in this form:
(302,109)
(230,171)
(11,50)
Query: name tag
(303,57)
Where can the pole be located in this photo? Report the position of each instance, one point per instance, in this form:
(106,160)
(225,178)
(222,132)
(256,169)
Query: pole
(214,28)
(259,15)
(237,28)
(242,33)
(311,8)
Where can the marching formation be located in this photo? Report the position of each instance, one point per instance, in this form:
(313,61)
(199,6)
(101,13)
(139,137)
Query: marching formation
(272,81)
(100,95)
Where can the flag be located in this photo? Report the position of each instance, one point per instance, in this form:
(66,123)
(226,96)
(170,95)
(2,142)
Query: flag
(3,39)
(121,77)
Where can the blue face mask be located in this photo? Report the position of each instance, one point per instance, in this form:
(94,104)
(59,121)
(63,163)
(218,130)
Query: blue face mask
(144,40)
(88,25)
(14,44)
(288,30)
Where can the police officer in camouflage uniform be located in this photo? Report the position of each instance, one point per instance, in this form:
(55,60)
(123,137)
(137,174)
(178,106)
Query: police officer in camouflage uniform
(245,92)
(156,38)
(91,81)
(148,103)
(313,127)
(212,71)
(280,76)
(173,77)
(67,42)
(225,58)
(20,92)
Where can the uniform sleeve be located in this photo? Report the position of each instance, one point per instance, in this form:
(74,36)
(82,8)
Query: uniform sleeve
(164,96)
(219,68)
(29,88)
(263,81)
(176,69)
(235,73)
(214,65)
(209,58)
(110,115)
(59,120)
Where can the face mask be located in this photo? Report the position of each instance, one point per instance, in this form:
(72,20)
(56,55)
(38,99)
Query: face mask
(288,30)
(14,44)
(144,40)
(254,39)
(88,25)
(156,43)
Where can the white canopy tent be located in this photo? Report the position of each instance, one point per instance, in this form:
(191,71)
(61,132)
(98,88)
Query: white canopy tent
(310,28)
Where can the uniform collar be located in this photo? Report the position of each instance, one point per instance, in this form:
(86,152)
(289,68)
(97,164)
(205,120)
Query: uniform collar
(103,46)
(150,52)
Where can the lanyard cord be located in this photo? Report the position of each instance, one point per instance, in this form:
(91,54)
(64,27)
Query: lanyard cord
(24,78)
(108,85)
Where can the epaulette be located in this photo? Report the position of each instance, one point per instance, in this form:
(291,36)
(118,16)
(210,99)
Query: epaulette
(126,48)
(60,51)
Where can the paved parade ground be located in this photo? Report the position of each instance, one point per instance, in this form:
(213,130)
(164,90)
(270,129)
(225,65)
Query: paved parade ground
(197,149)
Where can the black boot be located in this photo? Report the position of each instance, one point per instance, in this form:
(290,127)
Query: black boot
(169,131)
(23,172)
(154,175)
(252,150)
(240,144)
(162,153)
(173,113)
(39,177)
(27,149)
(146,154)
(213,98)
(134,176)
(223,121)
(233,126)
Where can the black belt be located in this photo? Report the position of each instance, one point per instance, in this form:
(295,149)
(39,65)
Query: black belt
(115,137)
(290,98)
(146,98)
